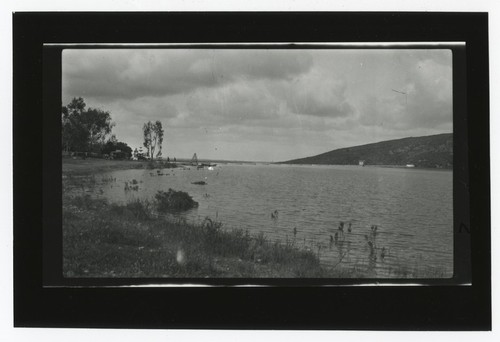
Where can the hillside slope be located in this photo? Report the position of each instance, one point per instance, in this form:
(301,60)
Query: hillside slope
(434,151)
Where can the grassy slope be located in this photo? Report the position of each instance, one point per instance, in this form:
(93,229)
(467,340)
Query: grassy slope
(107,240)
(429,151)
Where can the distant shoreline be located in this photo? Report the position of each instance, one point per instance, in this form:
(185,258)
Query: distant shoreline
(91,165)
(371,165)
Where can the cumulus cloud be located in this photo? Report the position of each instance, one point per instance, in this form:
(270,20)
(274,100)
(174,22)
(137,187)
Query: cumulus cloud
(422,100)
(317,95)
(129,74)
(269,103)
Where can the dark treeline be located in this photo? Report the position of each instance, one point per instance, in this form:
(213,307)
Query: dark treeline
(87,131)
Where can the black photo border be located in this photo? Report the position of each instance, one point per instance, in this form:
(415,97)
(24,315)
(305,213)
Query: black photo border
(38,301)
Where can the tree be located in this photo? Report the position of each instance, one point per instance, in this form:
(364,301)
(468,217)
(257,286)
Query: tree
(98,125)
(84,129)
(153,138)
(124,148)
(73,134)
(147,130)
(158,136)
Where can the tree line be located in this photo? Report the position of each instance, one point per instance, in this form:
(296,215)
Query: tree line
(89,131)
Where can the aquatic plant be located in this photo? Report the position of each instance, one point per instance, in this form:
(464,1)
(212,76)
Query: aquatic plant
(131,187)
(341,229)
(211,225)
(199,183)
(107,179)
(382,253)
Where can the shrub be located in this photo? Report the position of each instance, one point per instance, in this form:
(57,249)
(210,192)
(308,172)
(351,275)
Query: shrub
(174,201)
(135,209)
(85,202)
(139,209)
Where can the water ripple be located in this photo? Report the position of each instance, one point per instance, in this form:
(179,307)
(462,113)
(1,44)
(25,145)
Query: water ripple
(412,208)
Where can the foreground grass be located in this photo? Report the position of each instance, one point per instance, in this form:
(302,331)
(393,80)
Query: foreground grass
(109,240)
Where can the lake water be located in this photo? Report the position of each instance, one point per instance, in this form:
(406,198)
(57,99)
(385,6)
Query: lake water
(412,209)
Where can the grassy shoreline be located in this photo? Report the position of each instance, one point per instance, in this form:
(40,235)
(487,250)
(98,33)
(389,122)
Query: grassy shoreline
(85,166)
(95,166)
(108,240)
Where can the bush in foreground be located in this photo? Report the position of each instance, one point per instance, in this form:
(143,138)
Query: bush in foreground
(135,209)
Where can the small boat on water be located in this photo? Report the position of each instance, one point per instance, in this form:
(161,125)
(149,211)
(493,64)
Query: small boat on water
(410,165)
(207,165)
(361,163)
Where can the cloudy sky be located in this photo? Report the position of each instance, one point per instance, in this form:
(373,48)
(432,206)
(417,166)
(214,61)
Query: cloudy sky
(264,105)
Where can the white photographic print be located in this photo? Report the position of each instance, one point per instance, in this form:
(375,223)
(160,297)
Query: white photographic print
(261,162)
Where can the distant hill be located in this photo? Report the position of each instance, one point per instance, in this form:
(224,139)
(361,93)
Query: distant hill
(433,151)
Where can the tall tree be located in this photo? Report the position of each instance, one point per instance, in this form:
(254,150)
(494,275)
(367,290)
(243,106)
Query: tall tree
(158,132)
(147,130)
(98,125)
(73,134)
(84,129)
(153,138)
